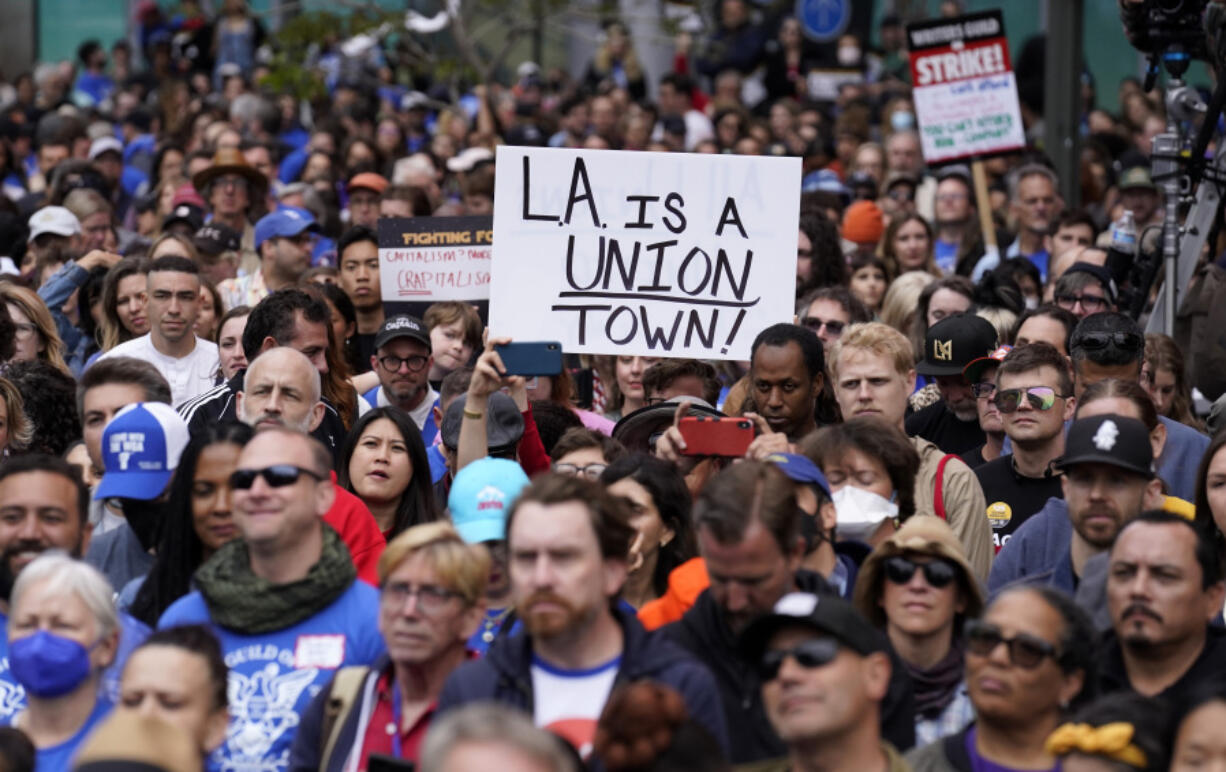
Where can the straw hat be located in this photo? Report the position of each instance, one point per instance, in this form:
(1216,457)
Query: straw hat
(229,160)
(920,535)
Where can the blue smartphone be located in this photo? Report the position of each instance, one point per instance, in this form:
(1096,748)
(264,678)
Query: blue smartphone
(531,358)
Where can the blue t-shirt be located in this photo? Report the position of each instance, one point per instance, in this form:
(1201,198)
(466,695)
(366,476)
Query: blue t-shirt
(60,756)
(274,676)
(132,633)
(946,254)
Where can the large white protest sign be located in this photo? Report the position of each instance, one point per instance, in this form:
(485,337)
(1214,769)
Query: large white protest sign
(965,93)
(654,254)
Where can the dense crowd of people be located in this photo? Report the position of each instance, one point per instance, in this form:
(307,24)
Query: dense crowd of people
(252,520)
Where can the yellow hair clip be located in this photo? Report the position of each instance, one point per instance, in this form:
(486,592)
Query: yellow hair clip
(1112,741)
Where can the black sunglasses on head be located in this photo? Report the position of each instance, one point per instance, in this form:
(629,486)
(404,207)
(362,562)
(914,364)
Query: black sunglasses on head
(809,654)
(1025,651)
(1093,341)
(277,476)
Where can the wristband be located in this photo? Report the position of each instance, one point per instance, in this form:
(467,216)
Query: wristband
(474,414)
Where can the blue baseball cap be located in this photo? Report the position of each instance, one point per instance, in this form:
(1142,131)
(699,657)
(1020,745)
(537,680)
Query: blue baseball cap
(800,469)
(140,451)
(481,498)
(283,223)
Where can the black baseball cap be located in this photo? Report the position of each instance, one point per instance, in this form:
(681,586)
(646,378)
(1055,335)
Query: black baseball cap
(188,213)
(827,614)
(402,326)
(215,238)
(954,342)
(1109,439)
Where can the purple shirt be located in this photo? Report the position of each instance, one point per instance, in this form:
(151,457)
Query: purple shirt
(980,764)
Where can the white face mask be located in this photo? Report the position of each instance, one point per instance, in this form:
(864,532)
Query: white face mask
(849,56)
(860,512)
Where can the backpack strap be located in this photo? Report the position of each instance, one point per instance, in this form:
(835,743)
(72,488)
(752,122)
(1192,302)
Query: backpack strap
(342,695)
(938,495)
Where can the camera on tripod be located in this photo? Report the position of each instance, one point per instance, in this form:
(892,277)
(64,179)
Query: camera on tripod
(1173,23)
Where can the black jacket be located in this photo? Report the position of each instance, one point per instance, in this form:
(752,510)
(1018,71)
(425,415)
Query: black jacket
(218,405)
(1206,672)
(751,738)
(504,675)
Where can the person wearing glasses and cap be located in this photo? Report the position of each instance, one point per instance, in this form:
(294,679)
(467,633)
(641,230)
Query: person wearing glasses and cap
(825,673)
(1029,661)
(949,346)
(919,589)
(402,360)
(283,599)
(1033,393)
(1112,345)
(1107,479)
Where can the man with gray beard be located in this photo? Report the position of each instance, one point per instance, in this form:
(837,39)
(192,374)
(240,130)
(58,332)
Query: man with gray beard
(950,345)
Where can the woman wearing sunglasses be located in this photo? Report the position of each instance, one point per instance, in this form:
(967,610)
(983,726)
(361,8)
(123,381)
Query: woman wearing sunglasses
(919,588)
(1027,662)
(197,520)
(384,463)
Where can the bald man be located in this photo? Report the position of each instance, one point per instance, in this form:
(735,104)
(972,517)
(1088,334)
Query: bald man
(281,392)
(281,389)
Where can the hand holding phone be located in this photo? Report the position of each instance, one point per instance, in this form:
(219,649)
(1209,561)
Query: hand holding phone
(531,358)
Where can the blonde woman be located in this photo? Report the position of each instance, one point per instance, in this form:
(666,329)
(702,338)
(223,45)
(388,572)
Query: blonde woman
(902,300)
(36,336)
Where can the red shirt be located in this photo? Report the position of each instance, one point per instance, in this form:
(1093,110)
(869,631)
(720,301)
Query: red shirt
(358,529)
(382,724)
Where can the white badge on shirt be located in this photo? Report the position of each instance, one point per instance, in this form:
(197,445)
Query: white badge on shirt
(319,651)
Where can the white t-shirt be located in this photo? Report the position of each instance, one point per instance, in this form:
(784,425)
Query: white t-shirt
(568,702)
(188,376)
(419,414)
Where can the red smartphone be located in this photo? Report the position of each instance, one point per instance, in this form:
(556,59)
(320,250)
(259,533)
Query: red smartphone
(715,436)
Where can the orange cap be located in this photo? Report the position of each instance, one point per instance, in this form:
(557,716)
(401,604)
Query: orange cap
(369,181)
(862,223)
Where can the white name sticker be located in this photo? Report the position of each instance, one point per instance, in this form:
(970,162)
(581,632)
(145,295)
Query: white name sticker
(320,651)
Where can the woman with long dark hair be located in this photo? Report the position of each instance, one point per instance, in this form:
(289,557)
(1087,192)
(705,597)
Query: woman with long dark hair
(197,522)
(384,464)
(660,506)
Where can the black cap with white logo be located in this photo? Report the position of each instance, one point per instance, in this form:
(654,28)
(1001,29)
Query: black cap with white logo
(1109,439)
(954,342)
(402,326)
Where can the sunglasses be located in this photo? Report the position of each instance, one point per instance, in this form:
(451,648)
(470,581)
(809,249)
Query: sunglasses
(1091,303)
(277,476)
(1025,651)
(983,389)
(812,653)
(1039,397)
(814,323)
(937,573)
(1093,341)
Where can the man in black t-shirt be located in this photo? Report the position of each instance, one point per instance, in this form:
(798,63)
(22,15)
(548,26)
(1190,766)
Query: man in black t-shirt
(1034,395)
(981,375)
(950,345)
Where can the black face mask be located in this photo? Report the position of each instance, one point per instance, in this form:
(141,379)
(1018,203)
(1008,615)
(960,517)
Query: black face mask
(144,518)
(810,531)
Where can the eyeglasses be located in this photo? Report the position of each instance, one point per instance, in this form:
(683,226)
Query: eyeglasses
(232,180)
(591,471)
(392,363)
(1091,303)
(277,476)
(1039,397)
(937,573)
(430,599)
(984,389)
(1093,341)
(814,323)
(1025,651)
(813,653)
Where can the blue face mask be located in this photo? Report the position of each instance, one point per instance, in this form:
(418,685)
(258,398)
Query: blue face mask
(48,665)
